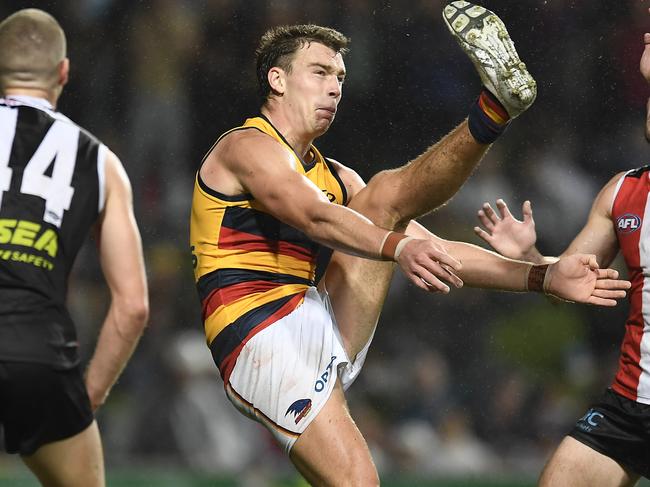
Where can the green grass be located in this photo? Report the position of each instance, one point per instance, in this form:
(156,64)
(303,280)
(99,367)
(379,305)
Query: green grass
(18,476)
(143,478)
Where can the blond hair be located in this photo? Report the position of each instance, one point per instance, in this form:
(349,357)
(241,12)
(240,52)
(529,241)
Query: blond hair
(32,45)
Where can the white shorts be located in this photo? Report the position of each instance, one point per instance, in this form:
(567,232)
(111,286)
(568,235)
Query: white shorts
(285,374)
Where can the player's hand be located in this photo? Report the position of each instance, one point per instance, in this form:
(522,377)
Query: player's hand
(428,265)
(504,233)
(578,278)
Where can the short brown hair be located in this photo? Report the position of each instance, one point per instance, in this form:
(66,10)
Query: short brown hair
(279,44)
(32,44)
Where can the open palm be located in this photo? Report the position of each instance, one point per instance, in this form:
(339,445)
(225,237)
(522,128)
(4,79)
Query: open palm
(578,278)
(504,233)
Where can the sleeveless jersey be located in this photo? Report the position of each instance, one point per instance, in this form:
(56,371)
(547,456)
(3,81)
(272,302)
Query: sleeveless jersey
(51,192)
(250,268)
(631,217)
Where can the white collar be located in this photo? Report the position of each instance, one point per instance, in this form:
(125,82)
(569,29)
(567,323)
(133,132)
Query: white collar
(31,101)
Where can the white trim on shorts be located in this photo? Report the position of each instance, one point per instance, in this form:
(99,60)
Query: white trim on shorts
(283,375)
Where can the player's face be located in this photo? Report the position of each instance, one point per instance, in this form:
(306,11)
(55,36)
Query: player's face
(314,86)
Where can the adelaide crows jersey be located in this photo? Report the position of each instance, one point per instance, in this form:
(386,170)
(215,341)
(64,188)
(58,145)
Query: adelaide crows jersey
(51,192)
(250,268)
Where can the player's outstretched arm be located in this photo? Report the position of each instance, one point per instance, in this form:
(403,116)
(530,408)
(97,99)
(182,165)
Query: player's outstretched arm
(516,238)
(440,275)
(572,278)
(255,163)
(120,251)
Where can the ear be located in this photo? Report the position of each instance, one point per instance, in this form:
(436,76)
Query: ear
(63,72)
(277,80)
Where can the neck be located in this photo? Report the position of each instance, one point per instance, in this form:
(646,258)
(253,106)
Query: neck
(34,92)
(299,141)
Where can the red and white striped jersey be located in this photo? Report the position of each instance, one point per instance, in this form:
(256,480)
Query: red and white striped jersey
(631,219)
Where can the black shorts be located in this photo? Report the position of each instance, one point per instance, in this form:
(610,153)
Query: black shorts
(40,404)
(618,428)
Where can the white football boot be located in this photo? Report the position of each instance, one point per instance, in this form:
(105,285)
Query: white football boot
(484,38)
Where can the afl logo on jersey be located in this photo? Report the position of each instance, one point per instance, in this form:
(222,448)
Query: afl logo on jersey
(628,223)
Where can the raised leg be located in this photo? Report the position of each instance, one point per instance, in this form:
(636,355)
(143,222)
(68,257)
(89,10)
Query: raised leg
(358,287)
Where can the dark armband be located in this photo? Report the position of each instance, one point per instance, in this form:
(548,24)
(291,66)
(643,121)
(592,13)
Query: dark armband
(536,278)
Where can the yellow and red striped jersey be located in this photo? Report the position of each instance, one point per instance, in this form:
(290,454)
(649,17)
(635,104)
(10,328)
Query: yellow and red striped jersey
(250,268)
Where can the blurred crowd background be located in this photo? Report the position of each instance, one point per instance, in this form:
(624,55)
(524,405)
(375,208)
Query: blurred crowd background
(474,383)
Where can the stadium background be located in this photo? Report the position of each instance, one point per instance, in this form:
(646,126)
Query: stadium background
(470,389)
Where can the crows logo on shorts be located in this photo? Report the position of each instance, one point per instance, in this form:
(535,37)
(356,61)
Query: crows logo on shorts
(299,409)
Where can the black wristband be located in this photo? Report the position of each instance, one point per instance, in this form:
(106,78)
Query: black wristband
(535,278)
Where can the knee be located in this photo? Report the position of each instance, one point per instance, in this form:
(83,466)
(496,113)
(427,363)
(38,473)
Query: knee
(355,469)
(381,201)
(360,468)
(362,474)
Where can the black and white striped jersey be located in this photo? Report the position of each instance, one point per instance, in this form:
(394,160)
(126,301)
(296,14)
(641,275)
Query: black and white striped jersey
(51,193)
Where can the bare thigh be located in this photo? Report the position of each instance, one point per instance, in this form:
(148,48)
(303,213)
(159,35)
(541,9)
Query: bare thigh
(358,287)
(332,450)
(577,465)
(74,462)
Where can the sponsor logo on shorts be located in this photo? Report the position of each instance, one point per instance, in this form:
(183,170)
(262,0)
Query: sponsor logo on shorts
(628,223)
(324,377)
(590,420)
(299,409)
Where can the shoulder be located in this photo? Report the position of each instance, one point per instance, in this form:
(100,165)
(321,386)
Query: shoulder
(86,138)
(616,179)
(612,186)
(117,180)
(60,117)
(246,146)
(605,199)
(47,117)
(350,178)
(241,156)
(638,172)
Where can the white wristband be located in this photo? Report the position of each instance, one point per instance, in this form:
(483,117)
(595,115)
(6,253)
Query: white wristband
(400,246)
